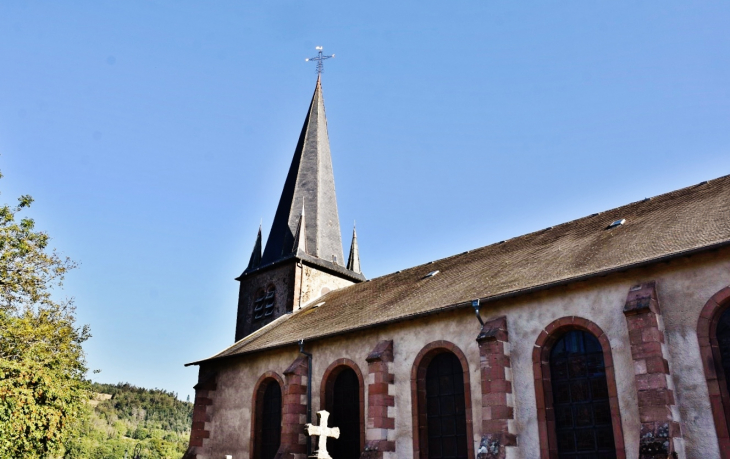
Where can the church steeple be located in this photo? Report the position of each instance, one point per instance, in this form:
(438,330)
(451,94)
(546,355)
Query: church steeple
(303,257)
(310,185)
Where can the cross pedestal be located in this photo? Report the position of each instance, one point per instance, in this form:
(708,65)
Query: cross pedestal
(322,431)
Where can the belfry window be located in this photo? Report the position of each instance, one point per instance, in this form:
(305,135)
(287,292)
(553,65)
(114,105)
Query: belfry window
(580,398)
(264,302)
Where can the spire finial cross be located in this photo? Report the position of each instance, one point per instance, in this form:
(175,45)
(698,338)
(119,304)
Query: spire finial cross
(323,431)
(320,57)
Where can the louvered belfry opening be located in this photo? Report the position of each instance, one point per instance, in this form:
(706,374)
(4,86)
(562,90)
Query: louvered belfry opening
(344,408)
(722,335)
(446,408)
(270,422)
(580,398)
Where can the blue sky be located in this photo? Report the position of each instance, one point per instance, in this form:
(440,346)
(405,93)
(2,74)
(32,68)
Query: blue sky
(155,135)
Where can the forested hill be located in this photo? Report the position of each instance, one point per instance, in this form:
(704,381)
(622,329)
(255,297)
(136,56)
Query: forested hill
(154,418)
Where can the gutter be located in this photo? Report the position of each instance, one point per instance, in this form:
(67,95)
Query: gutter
(498,297)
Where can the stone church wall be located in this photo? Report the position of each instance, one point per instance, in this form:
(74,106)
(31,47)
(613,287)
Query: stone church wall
(282,277)
(312,283)
(296,284)
(683,287)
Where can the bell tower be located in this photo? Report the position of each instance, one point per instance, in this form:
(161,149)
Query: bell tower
(303,257)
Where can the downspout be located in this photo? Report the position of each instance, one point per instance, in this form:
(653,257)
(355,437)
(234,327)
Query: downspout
(309,392)
(475,304)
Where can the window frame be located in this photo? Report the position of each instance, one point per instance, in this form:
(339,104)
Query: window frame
(543,383)
(264,303)
(327,390)
(257,406)
(712,366)
(418,397)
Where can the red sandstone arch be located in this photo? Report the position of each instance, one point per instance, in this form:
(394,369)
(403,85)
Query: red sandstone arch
(714,373)
(418,396)
(326,389)
(543,385)
(259,388)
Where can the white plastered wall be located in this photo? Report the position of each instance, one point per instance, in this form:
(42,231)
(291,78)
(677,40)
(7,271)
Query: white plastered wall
(683,287)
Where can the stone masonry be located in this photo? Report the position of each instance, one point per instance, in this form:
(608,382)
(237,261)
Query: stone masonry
(660,431)
(201,414)
(294,412)
(380,429)
(497,399)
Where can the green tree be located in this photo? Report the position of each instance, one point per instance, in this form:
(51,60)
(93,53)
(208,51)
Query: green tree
(43,391)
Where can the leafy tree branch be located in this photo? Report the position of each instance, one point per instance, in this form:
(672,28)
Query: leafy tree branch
(43,390)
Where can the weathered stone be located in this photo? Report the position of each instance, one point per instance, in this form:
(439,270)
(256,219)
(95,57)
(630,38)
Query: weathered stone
(323,432)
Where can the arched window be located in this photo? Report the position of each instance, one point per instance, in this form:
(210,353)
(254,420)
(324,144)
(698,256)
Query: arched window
(575,388)
(446,408)
(342,395)
(723,343)
(713,333)
(263,305)
(442,417)
(580,397)
(271,422)
(345,413)
(267,420)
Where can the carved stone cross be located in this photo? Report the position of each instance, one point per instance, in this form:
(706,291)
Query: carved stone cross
(322,431)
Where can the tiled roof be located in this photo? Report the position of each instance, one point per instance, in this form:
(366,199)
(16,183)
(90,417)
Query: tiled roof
(683,221)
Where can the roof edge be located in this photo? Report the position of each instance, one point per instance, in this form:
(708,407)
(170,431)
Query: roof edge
(501,296)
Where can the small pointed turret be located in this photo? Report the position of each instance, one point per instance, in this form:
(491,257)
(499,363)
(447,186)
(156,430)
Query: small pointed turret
(353,262)
(300,237)
(255,260)
(309,184)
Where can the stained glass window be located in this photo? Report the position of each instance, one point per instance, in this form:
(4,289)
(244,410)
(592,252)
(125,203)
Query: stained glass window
(580,398)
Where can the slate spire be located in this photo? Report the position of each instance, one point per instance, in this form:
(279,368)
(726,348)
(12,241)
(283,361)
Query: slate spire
(310,185)
(255,259)
(353,261)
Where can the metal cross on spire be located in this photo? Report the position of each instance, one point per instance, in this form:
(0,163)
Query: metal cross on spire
(320,57)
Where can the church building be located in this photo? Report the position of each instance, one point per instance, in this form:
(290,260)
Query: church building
(603,337)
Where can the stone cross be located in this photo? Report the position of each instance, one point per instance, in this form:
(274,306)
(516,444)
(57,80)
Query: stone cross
(322,431)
